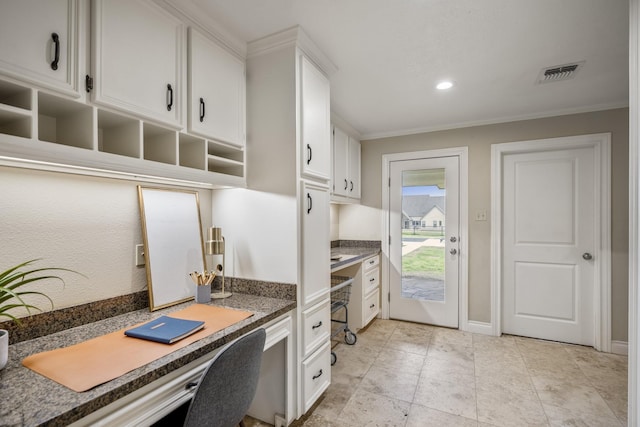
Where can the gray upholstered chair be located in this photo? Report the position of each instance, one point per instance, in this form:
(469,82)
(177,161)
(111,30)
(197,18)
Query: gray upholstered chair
(228,385)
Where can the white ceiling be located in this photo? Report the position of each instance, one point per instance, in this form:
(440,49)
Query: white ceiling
(391,53)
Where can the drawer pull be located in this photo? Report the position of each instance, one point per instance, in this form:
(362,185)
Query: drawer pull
(372,305)
(169,97)
(373,261)
(317,325)
(202,111)
(318,375)
(373,279)
(56,54)
(191,385)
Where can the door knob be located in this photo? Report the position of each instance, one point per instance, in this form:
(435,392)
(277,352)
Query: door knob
(453,251)
(587,256)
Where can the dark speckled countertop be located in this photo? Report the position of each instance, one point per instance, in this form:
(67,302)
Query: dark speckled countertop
(29,399)
(352,252)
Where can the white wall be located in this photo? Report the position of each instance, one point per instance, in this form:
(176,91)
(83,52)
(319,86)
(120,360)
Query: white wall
(83,223)
(260,232)
(479,140)
(358,222)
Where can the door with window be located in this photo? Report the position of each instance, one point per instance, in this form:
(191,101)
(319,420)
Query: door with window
(424,235)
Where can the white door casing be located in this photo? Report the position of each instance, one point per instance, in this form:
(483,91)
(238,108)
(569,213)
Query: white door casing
(435,312)
(541,286)
(462,154)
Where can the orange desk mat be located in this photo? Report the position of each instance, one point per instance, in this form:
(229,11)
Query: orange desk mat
(83,366)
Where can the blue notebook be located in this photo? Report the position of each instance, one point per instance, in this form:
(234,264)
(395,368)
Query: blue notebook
(165,329)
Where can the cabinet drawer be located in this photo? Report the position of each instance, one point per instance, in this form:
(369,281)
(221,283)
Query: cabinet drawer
(316,326)
(371,281)
(371,307)
(371,262)
(316,375)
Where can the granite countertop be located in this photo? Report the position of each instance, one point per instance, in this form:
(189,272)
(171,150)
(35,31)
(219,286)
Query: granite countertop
(29,399)
(351,255)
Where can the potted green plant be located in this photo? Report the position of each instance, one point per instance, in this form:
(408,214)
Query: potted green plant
(13,293)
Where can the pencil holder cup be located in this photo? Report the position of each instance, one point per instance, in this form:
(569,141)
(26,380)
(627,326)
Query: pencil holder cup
(203,294)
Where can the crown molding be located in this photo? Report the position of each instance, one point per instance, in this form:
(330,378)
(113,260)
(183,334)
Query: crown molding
(292,37)
(197,17)
(494,121)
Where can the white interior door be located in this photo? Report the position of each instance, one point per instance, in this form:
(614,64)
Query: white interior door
(424,251)
(549,226)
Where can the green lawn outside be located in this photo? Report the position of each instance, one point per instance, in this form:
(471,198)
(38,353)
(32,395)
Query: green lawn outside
(424,261)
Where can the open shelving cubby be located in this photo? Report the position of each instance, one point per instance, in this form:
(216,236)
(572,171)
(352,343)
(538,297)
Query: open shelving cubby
(64,122)
(160,144)
(39,125)
(15,110)
(118,134)
(225,159)
(192,151)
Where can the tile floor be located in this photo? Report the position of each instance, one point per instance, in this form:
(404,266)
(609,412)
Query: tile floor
(410,375)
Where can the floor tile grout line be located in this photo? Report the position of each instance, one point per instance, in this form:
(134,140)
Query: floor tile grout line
(475,377)
(573,359)
(535,389)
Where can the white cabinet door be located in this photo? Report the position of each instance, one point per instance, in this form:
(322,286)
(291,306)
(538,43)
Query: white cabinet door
(38,42)
(340,162)
(216,91)
(315,121)
(354,168)
(137,59)
(316,248)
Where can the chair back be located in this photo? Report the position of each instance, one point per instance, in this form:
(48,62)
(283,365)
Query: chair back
(229,384)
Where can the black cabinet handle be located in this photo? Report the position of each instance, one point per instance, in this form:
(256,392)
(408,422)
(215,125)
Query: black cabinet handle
(373,279)
(169,97)
(201,110)
(372,305)
(351,185)
(317,325)
(318,375)
(56,57)
(309,154)
(191,385)
(346,184)
(309,203)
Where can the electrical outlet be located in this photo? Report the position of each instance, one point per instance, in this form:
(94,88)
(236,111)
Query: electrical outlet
(481,215)
(139,255)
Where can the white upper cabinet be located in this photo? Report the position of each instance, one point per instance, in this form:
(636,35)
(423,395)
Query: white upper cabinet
(315,117)
(137,59)
(340,162)
(46,34)
(216,91)
(354,168)
(346,165)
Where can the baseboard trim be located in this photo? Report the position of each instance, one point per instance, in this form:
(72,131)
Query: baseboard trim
(479,327)
(620,347)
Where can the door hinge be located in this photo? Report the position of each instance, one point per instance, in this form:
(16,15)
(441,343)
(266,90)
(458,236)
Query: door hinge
(88,82)
(389,297)
(389,239)
(389,182)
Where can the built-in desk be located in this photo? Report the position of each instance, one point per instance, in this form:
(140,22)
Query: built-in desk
(136,398)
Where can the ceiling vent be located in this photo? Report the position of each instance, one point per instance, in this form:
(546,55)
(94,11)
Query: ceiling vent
(559,72)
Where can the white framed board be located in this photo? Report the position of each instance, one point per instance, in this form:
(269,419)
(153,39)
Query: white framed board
(173,244)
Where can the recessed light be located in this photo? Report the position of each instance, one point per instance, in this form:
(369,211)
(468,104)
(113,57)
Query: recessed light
(444,85)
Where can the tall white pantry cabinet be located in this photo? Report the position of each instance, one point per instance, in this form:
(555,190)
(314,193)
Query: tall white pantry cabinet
(288,149)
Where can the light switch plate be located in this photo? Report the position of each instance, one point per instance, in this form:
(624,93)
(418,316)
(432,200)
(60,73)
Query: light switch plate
(139,255)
